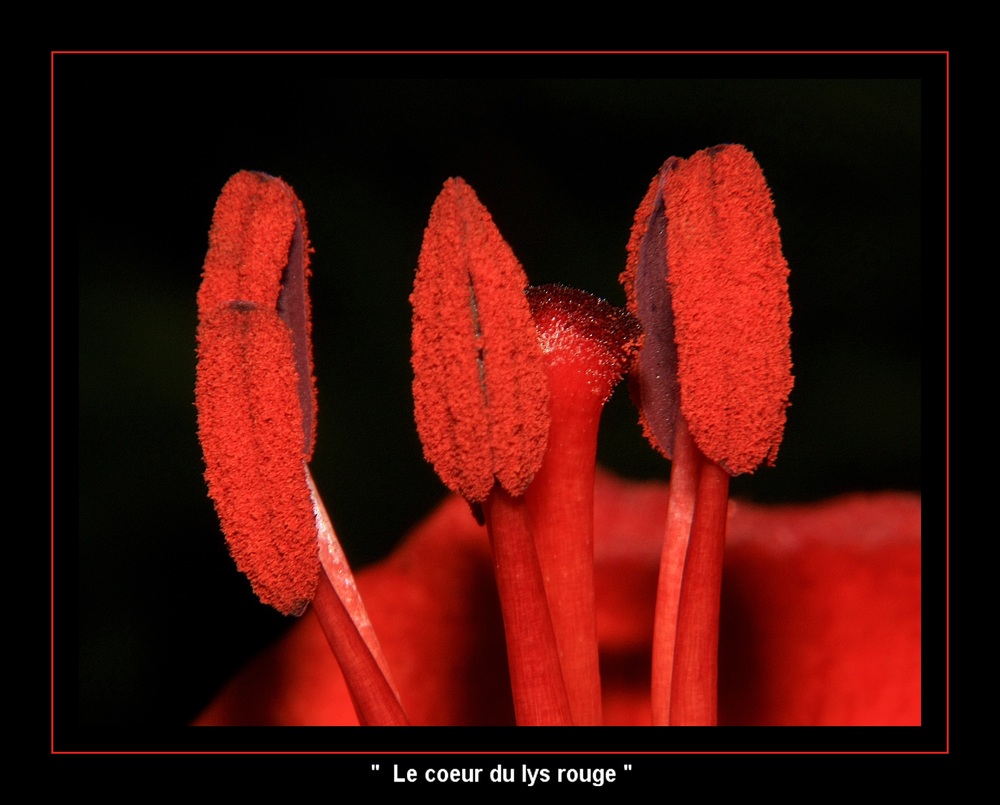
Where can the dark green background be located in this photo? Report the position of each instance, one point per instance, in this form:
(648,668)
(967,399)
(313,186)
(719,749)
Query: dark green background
(152,616)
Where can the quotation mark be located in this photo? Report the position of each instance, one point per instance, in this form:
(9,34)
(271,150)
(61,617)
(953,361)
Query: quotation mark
(374,766)
(628,767)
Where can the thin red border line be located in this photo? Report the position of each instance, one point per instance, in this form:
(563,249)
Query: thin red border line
(52,404)
(947,77)
(500,752)
(503,53)
(947,400)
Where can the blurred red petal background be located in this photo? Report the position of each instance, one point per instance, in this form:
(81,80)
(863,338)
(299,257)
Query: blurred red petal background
(820,620)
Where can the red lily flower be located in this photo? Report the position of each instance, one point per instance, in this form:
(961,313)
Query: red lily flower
(821,607)
(820,625)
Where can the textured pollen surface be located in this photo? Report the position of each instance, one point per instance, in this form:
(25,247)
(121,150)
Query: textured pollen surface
(729,282)
(254,411)
(258,252)
(248,244)
(727,298)
(479,386)
(250,428)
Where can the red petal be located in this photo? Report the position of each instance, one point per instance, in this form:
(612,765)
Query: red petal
(820,625)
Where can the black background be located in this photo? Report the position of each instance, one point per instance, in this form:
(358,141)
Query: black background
(151,615)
